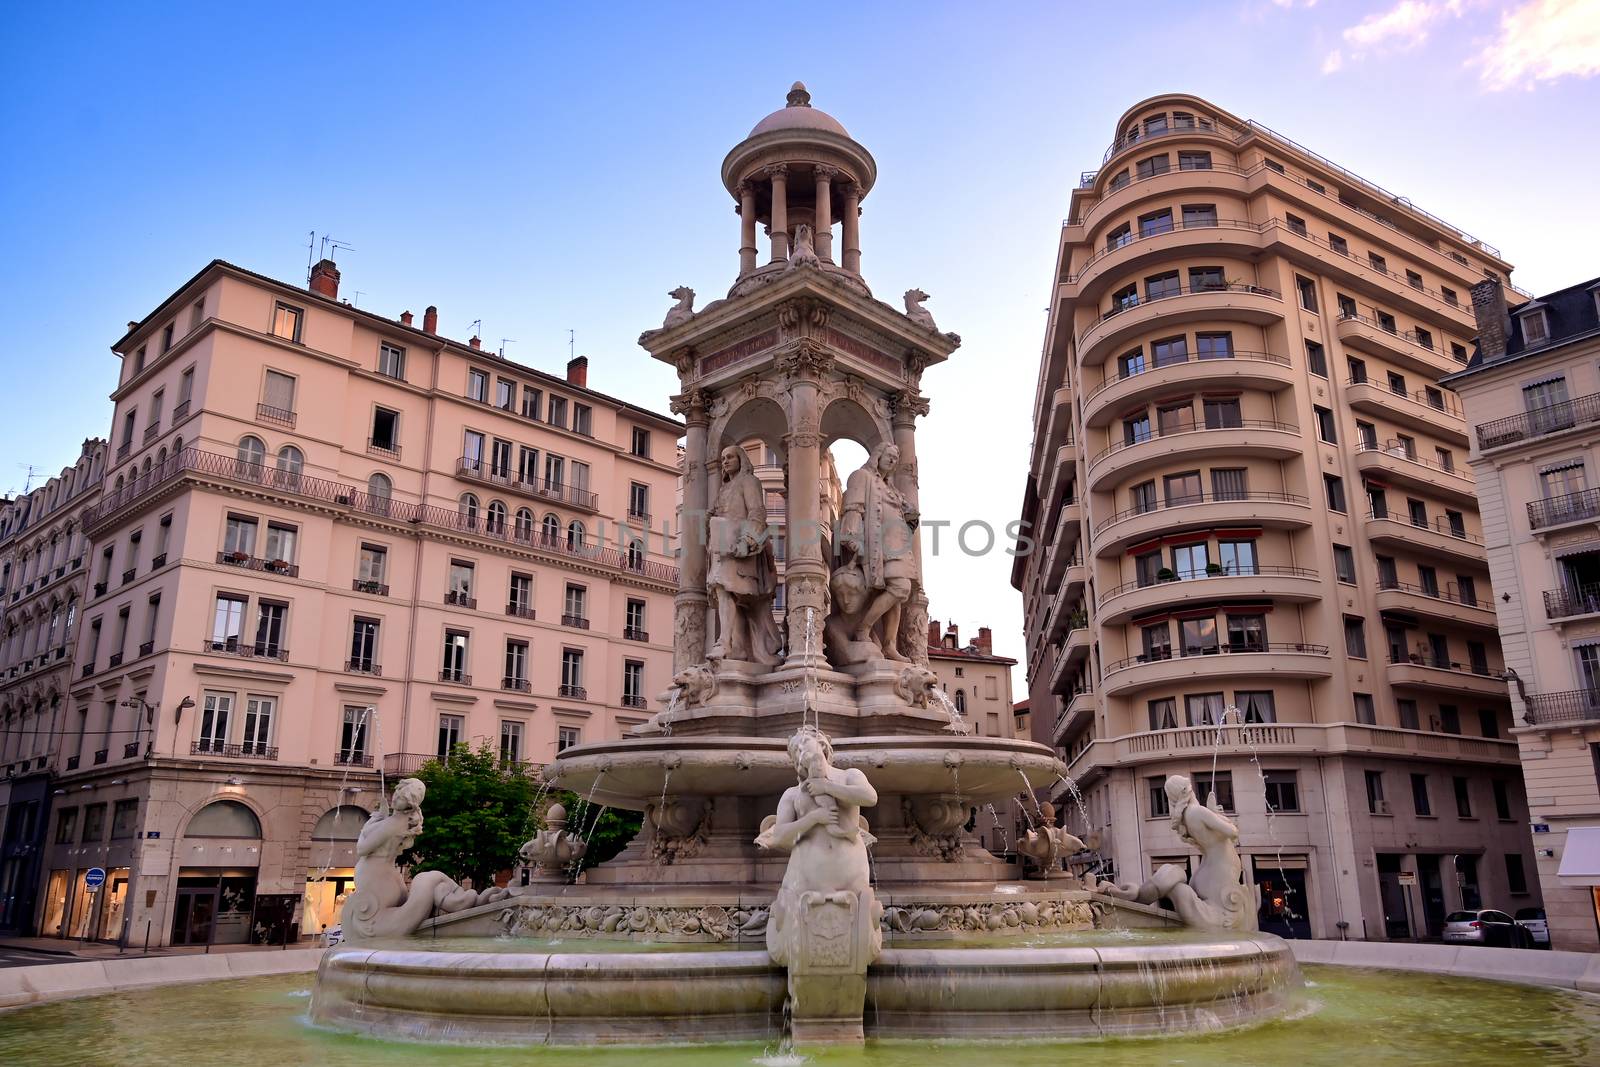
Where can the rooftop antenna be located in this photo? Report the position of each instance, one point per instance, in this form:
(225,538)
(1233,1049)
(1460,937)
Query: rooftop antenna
(572,342)
(335,244)
(506,341)
(476,326)
(27,485)
(311,255)
(357,294)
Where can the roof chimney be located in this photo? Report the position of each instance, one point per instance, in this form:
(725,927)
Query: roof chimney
(985,641)
(934,629)
(475,342)
(954,634)
(405,318)
(1489,308)
(325,279)
(578,371)
(430,320)
(133,324)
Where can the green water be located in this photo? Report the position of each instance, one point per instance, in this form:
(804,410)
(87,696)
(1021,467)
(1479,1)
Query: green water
(1350,1019)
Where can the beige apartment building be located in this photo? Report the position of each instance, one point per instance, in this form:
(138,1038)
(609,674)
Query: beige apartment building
(42,584)
(1532,395)
(978,685)
(325,538)
(1259,560)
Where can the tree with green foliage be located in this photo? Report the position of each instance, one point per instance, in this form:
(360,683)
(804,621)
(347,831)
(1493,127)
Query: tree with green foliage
(476,815)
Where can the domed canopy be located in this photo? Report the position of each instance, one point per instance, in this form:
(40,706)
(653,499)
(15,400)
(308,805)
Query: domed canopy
(798,114)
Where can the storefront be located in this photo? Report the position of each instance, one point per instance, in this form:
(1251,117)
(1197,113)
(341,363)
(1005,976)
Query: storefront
(333,849)
(1285,905)
(75,911)
(213,906)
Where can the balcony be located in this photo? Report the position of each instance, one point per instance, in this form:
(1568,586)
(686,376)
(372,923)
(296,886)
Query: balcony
(1437,536)
(1555,709)
(575,692)
(158,561)
(516,685)
(147,648)
(1236,301)
(151,432)
(1415,410)
(405,764)
(73,761)
(245,561)
(1388,343)
(124,449)
(374,588)
(1441,605)
(1424,671)
(1397,461)
(1540,423)
(1571,603)
(388,449)
(458,598)
(1291,585)
(1123,459)
(520,611)
(129,575)
(99,588)
(194,466)
(476,469)
(1076,713)
(634,700)
(130,750)
(577,622)
(232,646)
(352,757)
(1139,252)
(1157,670)
(101,756)
(180,411)
(1239,371)
(1583,506)
(247,750)
(1274,510)
(455,675)
(630,633)
(1073,651)
(363,666)
(276,416)
(114,660)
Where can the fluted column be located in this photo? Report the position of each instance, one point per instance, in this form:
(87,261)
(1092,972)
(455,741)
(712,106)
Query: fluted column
(779,173)
(689,606)
(747,228)
(908,405)
(806,571)
(850,226)
(824,220)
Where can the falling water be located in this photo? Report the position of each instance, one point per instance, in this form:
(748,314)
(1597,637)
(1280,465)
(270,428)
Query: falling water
(957,724)
(1005,840)
(367,713)
(1077,799)
(811,689)
(1248,737)
(1029,794)
(665,720)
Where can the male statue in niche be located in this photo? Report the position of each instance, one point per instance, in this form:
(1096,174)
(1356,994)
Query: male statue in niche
(743,576)
(875,535)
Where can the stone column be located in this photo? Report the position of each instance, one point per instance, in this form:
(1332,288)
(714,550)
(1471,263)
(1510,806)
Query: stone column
(824,218)
(779,173)
(747,228)
(850,224)
(806,571)
(908,405)
(689,606)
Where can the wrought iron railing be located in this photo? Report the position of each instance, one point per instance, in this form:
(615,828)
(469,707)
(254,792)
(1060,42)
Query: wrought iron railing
(1178,579)
(247,750)
(1562,603)
(1576,705)
(1191,426)
(1571,507)
(1540,422)
(1249,647)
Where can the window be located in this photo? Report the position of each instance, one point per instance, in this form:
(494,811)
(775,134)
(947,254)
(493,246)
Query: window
(271,619)
(1237,557)
(1408,714)
(1213,345)
(557,412)
(1157,286)
(1316,359)
(372,564)
(1169,351)
(477,385)
(1207,279)
(640,445)
(1157,639)
(291,464)
(1230,483)
(638,501)
(572,673)
(1247,633)
(66,826)
(1463,797)
(378,489)
(1488,722)
(1222,413)
(1308,293)
(516,675)
(633,684)
(531,401)
(1203,709)
(575,536)
(1136,429)
(364,645)
(1199,215)
(1131,363)
(1153,165)
(500,459)
(1295,223)
(280,542)
(1326,430)
(519,598)
(555,473)
(575,605)
(1333,487)
(505,394)
(385,430)
(252,453)
(277,395)
(1158,797)
(1414,279)
(633,626)
(286,322)
(1215,790)
(185,391)
(1376,262)
(450,727)
(510,741)
(257,734)
(568,736)
(353,735)
(1502,800)
(583,419)
(1124,298)
(1163,714)
(1344,563)
(1155,222)
(1355,637)
(1189,561)
(1419,795)
(391,360)
(467,509)
(1458,352)
(1316,186)
(227,623)
(1386,321)
(1457,524)
(1283,790)
(1375,802)
(1175,418)
(1347,306)
(1338,244)
(214,714)
(460,580)
(1118,237)
(454,667)
(1535,329)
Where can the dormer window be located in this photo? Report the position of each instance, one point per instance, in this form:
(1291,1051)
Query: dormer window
(1535,327)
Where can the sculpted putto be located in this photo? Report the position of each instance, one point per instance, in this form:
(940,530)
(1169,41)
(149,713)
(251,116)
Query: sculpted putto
(875,534)
(1217,897)
(382,904)
(743,576)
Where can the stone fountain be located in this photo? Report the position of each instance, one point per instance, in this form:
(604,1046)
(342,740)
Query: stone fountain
(807,796)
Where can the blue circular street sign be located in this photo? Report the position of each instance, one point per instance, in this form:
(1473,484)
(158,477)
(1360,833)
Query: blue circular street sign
(94,877)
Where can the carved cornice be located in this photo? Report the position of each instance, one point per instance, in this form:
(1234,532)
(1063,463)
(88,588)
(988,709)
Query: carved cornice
(776,170)
(808,360)
(792,313)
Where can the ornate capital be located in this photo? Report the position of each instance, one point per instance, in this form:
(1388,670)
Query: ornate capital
(825,173)
(807,361)
(907,405)
(776,170)
(692,405)
(791,313)
(850,190)
(684,361)
(745,189)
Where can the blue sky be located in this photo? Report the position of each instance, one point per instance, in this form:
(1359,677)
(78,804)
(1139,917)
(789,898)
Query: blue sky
(546,170)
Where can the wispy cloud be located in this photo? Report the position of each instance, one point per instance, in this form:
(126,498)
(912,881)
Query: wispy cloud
(1397,29)
(1542,41)
(1333,62)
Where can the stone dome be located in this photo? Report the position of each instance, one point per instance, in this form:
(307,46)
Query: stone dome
(798,114)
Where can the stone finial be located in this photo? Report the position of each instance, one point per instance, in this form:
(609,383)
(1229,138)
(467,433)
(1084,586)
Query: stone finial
(798,97)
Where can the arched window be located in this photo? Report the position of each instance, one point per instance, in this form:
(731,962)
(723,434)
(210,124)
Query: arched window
(161,457)
(379,486)
(636,555)
(119,483)
(224,818)
(291,461)
(343,823)
(550,530)
(575,535)
(145,470)
(524,530)
(497,517)
(961,701)
(252,455)
(469,510)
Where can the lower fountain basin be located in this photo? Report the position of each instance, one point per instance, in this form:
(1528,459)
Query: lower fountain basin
(1146,983)
(634,772)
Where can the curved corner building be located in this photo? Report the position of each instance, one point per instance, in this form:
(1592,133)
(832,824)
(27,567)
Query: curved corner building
(1259,551)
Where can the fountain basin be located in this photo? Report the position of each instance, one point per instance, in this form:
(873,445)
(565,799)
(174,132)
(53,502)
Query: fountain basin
(581,998)
(634,772)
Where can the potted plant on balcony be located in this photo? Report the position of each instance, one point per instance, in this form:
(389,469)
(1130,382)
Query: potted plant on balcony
(1213,570)
(278,565)
(238,557)
(1166,574)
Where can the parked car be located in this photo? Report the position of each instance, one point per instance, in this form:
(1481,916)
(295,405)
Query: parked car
(1532,920)
(1485,926)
